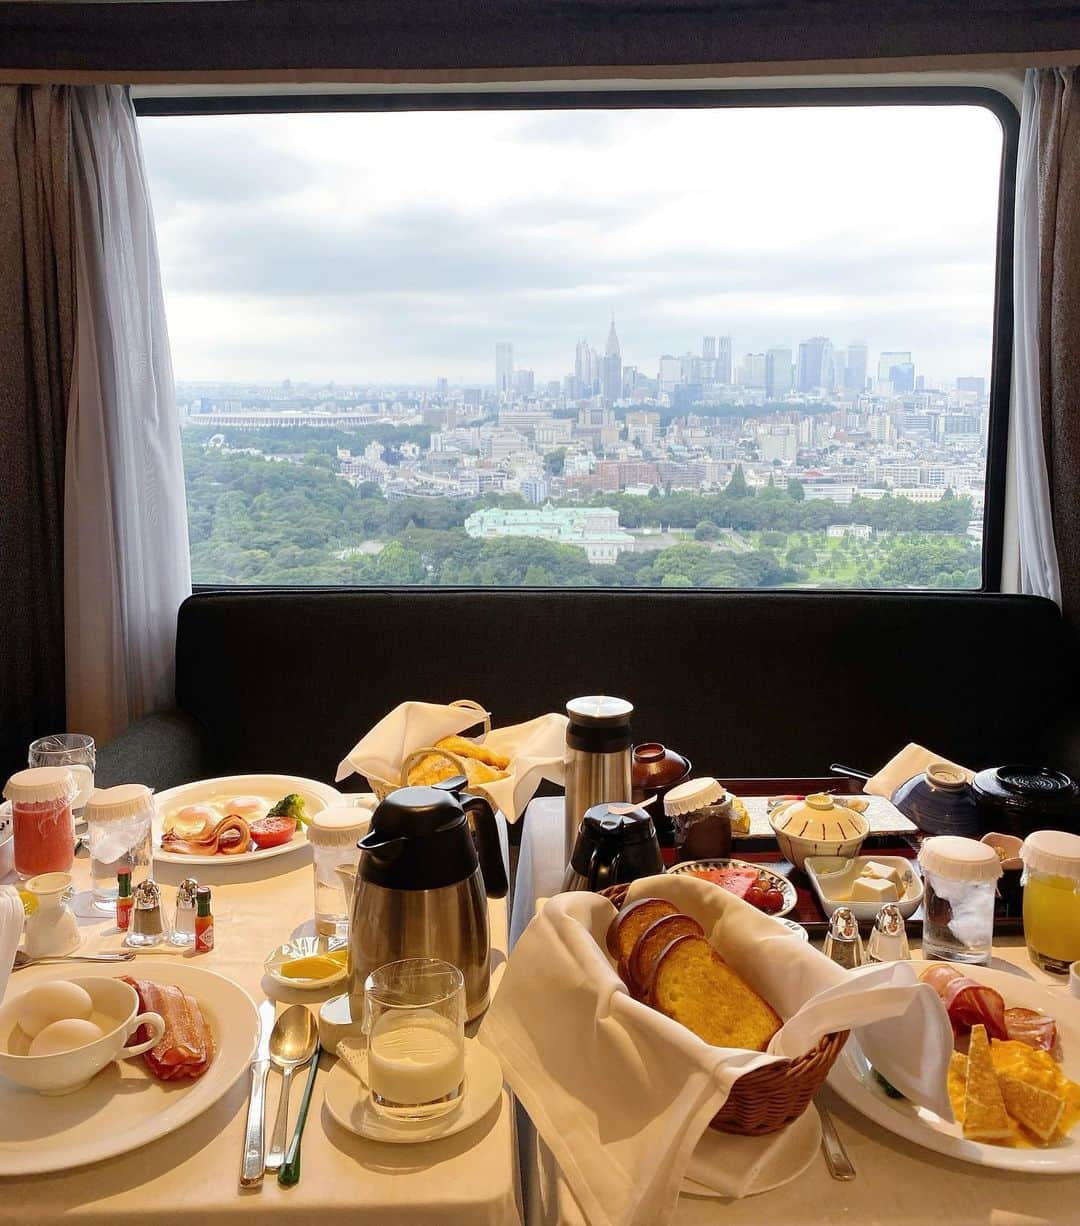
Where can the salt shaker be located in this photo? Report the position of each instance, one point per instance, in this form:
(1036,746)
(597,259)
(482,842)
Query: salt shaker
(147,922)
(183,932)
(888,941)
(843,944)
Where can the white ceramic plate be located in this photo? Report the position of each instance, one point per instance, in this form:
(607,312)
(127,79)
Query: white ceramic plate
(833,876)
(775,879)
(304,947)
(764,1163)
(348,1102)
(124,1107)
(852,1079)
(317,796)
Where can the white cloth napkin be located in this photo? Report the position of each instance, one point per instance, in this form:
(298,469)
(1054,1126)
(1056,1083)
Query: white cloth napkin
(536,749)
(911,760)
(12,915)
(622,1094)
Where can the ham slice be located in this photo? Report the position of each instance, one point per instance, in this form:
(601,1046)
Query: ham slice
(968,1003)
(229,837)
(1035,1029)
(187,1046)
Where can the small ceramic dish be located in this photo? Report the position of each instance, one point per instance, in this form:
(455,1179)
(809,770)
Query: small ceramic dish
(1007,847)
(776,880)
(833,876)
(305,947)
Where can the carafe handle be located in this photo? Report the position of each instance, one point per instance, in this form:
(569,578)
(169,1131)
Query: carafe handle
(485,830)
(602,871)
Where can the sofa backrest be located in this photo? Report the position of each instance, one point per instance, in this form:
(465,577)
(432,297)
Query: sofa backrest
(744,683)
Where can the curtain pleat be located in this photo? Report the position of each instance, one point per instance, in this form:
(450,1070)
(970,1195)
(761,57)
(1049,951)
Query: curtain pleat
(37,319)
(1059,316)
(125,510)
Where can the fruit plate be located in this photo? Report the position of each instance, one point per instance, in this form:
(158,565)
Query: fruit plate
(775,880)
(852,1078)
(124,1107)
(317,796)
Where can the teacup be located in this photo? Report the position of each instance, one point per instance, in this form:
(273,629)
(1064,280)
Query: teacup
(115,1011)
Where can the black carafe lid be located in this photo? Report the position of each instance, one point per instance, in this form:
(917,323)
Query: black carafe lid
(419,840)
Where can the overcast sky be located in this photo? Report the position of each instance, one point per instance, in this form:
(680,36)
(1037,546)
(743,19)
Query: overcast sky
(372,247)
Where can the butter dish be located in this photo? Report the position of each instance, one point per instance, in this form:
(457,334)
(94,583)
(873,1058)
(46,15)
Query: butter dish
(834,878)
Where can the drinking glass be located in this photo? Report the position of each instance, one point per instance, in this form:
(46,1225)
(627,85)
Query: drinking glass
(76,751)
(414,1019)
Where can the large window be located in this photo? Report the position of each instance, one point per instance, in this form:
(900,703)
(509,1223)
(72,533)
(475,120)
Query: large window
(681,346)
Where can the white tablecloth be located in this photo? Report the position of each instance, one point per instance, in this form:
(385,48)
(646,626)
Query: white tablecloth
(897,1183)
(469,1179)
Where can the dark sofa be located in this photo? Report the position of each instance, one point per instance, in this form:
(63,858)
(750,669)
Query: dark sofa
(745,683)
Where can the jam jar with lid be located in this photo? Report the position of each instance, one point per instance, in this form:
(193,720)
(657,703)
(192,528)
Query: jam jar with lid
(701,810)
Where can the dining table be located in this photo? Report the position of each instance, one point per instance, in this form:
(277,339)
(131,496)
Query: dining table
(897,1182)
(192,1174)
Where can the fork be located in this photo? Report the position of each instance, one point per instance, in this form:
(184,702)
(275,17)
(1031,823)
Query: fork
(23,959)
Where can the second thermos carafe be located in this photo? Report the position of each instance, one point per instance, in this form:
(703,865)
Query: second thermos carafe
(597,758)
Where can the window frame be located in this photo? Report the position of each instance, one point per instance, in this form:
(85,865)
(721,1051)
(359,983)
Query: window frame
(525,98)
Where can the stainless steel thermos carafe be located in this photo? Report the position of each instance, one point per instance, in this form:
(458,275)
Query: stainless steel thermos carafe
(597,758)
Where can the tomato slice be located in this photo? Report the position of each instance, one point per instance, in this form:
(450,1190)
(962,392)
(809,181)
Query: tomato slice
(272,831)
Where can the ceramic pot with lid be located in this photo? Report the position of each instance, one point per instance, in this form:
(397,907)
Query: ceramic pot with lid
(654,771)
(428,864)
(615,845)
(1019,800)
(939,801)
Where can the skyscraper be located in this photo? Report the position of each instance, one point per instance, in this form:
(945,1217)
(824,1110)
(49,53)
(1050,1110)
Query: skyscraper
(896,368)
(612,370)
(504,370)
(815,363)
(723,359)
(708,348)
(855,375)
(778,371)
(838,373)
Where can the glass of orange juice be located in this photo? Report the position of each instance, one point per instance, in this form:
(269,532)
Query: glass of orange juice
(1051,882)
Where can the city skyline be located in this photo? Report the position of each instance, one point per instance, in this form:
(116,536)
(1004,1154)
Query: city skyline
(398,248)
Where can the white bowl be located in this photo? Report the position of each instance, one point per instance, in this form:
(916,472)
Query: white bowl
(796,848)
(116,1012)
(833,877)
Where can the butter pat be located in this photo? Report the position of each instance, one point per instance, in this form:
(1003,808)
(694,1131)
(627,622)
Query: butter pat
(873,889)
(883,872)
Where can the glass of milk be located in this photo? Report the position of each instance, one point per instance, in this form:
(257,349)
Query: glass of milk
(414,1019)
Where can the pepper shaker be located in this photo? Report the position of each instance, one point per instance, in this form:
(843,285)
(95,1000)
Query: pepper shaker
(843,944)
(183,932)
(147,922)
(888,941)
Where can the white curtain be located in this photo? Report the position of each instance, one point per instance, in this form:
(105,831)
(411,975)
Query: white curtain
(1038,562)
(126,565)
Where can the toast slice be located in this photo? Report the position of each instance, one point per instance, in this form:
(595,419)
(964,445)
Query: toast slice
(652,943)
(692,984)
(630,923)
(985,1117)
(1038,1110)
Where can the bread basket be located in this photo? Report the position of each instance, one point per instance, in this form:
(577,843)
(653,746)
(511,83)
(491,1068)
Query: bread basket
(768,1099)
(383,787)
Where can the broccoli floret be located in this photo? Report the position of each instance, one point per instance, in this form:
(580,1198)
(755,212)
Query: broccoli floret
(290,806)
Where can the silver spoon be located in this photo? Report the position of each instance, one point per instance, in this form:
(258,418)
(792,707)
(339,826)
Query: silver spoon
(23,959)
(836,1157)
(292,1044)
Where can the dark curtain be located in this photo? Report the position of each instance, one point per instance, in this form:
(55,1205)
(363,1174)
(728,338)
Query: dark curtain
(1059,316)
(37,316)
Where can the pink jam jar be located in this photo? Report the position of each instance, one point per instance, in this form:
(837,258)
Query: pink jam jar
(41,821)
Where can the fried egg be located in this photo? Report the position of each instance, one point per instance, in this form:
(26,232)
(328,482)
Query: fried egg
(191,821)
(250,808)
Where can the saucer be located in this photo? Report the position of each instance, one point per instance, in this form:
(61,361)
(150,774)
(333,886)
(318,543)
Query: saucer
(304,947)
(349,1102)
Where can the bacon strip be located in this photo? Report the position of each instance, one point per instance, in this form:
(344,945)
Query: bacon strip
(229,837)
(967,1002)
(1035,1029)
(187,1046)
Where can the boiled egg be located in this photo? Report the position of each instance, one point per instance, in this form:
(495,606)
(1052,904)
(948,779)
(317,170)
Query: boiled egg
(66,1035)
(250,808)
(191,821)
(52,1002)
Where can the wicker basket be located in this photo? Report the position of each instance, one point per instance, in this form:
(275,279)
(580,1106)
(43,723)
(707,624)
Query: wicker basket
(769,1098)
(383,787)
